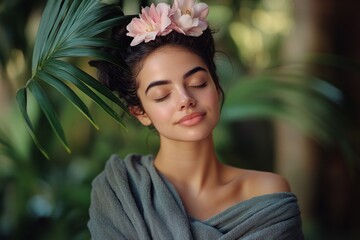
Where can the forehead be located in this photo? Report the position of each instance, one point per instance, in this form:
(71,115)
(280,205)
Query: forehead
(167,62)
(173,54)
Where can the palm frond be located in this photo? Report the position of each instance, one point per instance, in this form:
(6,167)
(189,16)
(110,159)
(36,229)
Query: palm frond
(43,101)
(68,29)
(21,98)
(311,104)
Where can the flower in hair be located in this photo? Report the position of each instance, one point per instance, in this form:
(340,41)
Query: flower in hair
(184,17)
(153,21)
(188,17)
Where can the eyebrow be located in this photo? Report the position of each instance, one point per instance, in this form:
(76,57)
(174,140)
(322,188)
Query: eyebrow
(186,75)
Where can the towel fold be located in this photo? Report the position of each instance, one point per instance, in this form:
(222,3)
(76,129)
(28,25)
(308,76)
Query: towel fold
(131,200)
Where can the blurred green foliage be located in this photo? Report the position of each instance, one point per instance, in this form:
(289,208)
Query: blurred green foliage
(49,199)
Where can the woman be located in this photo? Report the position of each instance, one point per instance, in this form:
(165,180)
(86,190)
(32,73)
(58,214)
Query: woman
(168,80)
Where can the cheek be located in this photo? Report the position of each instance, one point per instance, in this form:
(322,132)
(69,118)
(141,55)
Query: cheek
(158,112)
(212,97)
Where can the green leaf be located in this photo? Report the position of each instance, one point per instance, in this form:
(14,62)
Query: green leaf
(72,16)
(22,103)
(71,76)
(68,93)
(302,103)
(82,76)
(49,111)
(71,29)
(100,26)
(49,21)
(88,42)
(92,18)
(86,52)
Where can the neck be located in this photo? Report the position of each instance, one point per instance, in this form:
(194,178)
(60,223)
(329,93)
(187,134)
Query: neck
(189,165)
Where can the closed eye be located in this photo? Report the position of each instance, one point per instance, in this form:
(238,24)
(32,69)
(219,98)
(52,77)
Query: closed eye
(162,98)
(201,85)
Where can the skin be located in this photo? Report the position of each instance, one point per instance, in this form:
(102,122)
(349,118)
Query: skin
(182,102)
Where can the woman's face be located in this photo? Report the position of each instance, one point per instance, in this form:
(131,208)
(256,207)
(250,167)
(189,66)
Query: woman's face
(178,95)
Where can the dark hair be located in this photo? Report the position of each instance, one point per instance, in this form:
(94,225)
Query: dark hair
(123,79)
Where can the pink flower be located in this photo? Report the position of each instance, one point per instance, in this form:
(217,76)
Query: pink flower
(189,18)
(184,16)
(153,21)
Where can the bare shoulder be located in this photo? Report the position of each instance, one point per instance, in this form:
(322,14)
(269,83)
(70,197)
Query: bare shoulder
(256,183)
(266,182)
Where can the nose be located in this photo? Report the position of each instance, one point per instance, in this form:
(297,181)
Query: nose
(186,101)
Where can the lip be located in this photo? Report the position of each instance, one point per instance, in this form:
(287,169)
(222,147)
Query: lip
(191,119)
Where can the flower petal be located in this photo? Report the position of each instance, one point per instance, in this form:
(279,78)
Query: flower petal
(150,36)
(185,22)
(195,32)
(201,10)
(164,20)
(137,39)
(152,21)
(184,16)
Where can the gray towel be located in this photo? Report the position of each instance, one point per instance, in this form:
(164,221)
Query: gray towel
(131,200)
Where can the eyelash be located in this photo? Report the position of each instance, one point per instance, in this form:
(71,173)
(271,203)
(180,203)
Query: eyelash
(161,99)
(203,85)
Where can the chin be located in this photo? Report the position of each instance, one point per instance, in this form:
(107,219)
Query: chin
(192,136)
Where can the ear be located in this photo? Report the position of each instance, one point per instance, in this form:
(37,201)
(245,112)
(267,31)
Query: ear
(140,114)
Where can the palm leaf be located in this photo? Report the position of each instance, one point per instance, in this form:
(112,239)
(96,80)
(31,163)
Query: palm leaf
(68,29)
(78,77)
(311,104)
(21,98)
(68,93)
(86,79)
(48,110)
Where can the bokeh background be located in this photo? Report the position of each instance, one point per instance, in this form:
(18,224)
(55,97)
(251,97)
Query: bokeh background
(308,131)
